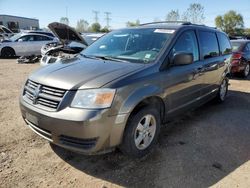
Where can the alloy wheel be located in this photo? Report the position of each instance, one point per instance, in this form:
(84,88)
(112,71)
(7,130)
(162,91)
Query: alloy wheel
(145,132)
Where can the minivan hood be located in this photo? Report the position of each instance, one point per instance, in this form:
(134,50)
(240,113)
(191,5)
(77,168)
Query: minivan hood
(66,33)
(82,73)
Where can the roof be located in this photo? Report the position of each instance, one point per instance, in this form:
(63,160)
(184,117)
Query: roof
(19,17)
(174,25)
(39,34)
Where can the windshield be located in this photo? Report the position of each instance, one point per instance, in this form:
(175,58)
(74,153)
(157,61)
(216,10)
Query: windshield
(236,46)
(15,37)
(135,45)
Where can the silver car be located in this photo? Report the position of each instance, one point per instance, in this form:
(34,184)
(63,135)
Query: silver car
(24,44)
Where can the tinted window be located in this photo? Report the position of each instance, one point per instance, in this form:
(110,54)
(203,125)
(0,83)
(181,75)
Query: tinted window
(187,42)
(27,38)
(41,38)
(236,45)
(225,46)
(209,44)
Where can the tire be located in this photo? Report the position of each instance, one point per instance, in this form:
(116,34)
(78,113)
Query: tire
(246,71)
(140,136)
(8,52)
(223,89)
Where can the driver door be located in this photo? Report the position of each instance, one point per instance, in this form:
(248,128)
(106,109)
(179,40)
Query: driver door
(182,83)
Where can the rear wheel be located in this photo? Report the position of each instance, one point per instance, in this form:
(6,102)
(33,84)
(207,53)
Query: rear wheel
(246,71)
(8,52)
(141,132)
(223,89)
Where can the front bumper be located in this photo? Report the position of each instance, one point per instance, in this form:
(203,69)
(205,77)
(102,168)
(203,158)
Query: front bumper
(81,130)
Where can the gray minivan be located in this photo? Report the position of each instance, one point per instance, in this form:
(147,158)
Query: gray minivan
(120,90)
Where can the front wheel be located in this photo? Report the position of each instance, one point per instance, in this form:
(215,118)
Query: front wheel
(223,89)
(141,132)
(8,52)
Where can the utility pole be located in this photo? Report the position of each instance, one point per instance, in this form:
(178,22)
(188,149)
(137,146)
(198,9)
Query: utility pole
(96,15)
(107,18)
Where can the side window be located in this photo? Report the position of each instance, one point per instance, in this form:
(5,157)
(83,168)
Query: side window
(225,45)
(27,38)
(187,42)
(209,44)
(41,38)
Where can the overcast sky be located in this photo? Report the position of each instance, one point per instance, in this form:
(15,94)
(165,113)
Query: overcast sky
(121,11)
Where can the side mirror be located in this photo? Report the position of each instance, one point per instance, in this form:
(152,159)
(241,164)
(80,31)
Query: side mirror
(183,58)
(20,40)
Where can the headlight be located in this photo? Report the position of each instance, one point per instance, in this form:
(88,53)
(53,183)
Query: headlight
(93,98)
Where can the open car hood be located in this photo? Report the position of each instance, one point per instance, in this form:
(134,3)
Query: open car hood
(66,33)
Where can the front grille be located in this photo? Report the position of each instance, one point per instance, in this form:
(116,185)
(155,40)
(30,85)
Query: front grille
(42,96)
(78,142)
(44,58)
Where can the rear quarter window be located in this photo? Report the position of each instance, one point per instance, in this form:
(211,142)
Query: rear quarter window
(225,45)
(209,44)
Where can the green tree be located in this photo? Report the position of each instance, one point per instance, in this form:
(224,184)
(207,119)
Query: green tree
(133,24)
(64,20)
(231,22)
(247,31)
(105,30)
(95,27)
(173,15)
(194,14)
(82,25)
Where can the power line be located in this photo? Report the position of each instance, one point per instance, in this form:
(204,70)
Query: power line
(107,18)
(96,15)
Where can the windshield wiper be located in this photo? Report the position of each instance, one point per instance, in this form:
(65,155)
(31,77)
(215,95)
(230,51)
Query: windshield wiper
(103,58)
(110,58)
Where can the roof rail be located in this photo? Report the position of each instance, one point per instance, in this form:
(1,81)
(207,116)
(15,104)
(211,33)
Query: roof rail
(168,22)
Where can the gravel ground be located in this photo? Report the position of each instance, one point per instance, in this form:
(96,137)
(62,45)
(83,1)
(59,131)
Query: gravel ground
(206,147)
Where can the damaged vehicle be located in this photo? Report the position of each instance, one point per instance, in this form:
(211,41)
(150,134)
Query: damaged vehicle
(120,91)
(70,45)
(24,44)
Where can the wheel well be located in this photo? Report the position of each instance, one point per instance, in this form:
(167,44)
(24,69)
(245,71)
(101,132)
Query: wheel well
(156,102)
(7,47)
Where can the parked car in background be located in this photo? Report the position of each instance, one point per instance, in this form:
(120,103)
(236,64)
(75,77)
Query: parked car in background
(70,44)
(91,37)
(5,33)
(41,32)
(240,63)
(24,44)
(122,88)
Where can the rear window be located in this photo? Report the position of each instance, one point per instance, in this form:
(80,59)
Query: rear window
(236,46)
(225,46)
(209,44)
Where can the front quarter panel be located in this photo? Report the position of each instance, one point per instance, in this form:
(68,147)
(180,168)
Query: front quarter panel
(128,98)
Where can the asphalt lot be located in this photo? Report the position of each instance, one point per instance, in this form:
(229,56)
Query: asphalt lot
(207,147)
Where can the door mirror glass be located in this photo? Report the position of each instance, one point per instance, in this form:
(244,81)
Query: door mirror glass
(183,58)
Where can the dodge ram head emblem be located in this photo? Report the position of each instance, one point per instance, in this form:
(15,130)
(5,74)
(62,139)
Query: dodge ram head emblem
(36,94)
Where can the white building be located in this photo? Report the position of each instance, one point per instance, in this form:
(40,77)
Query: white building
(15,23)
